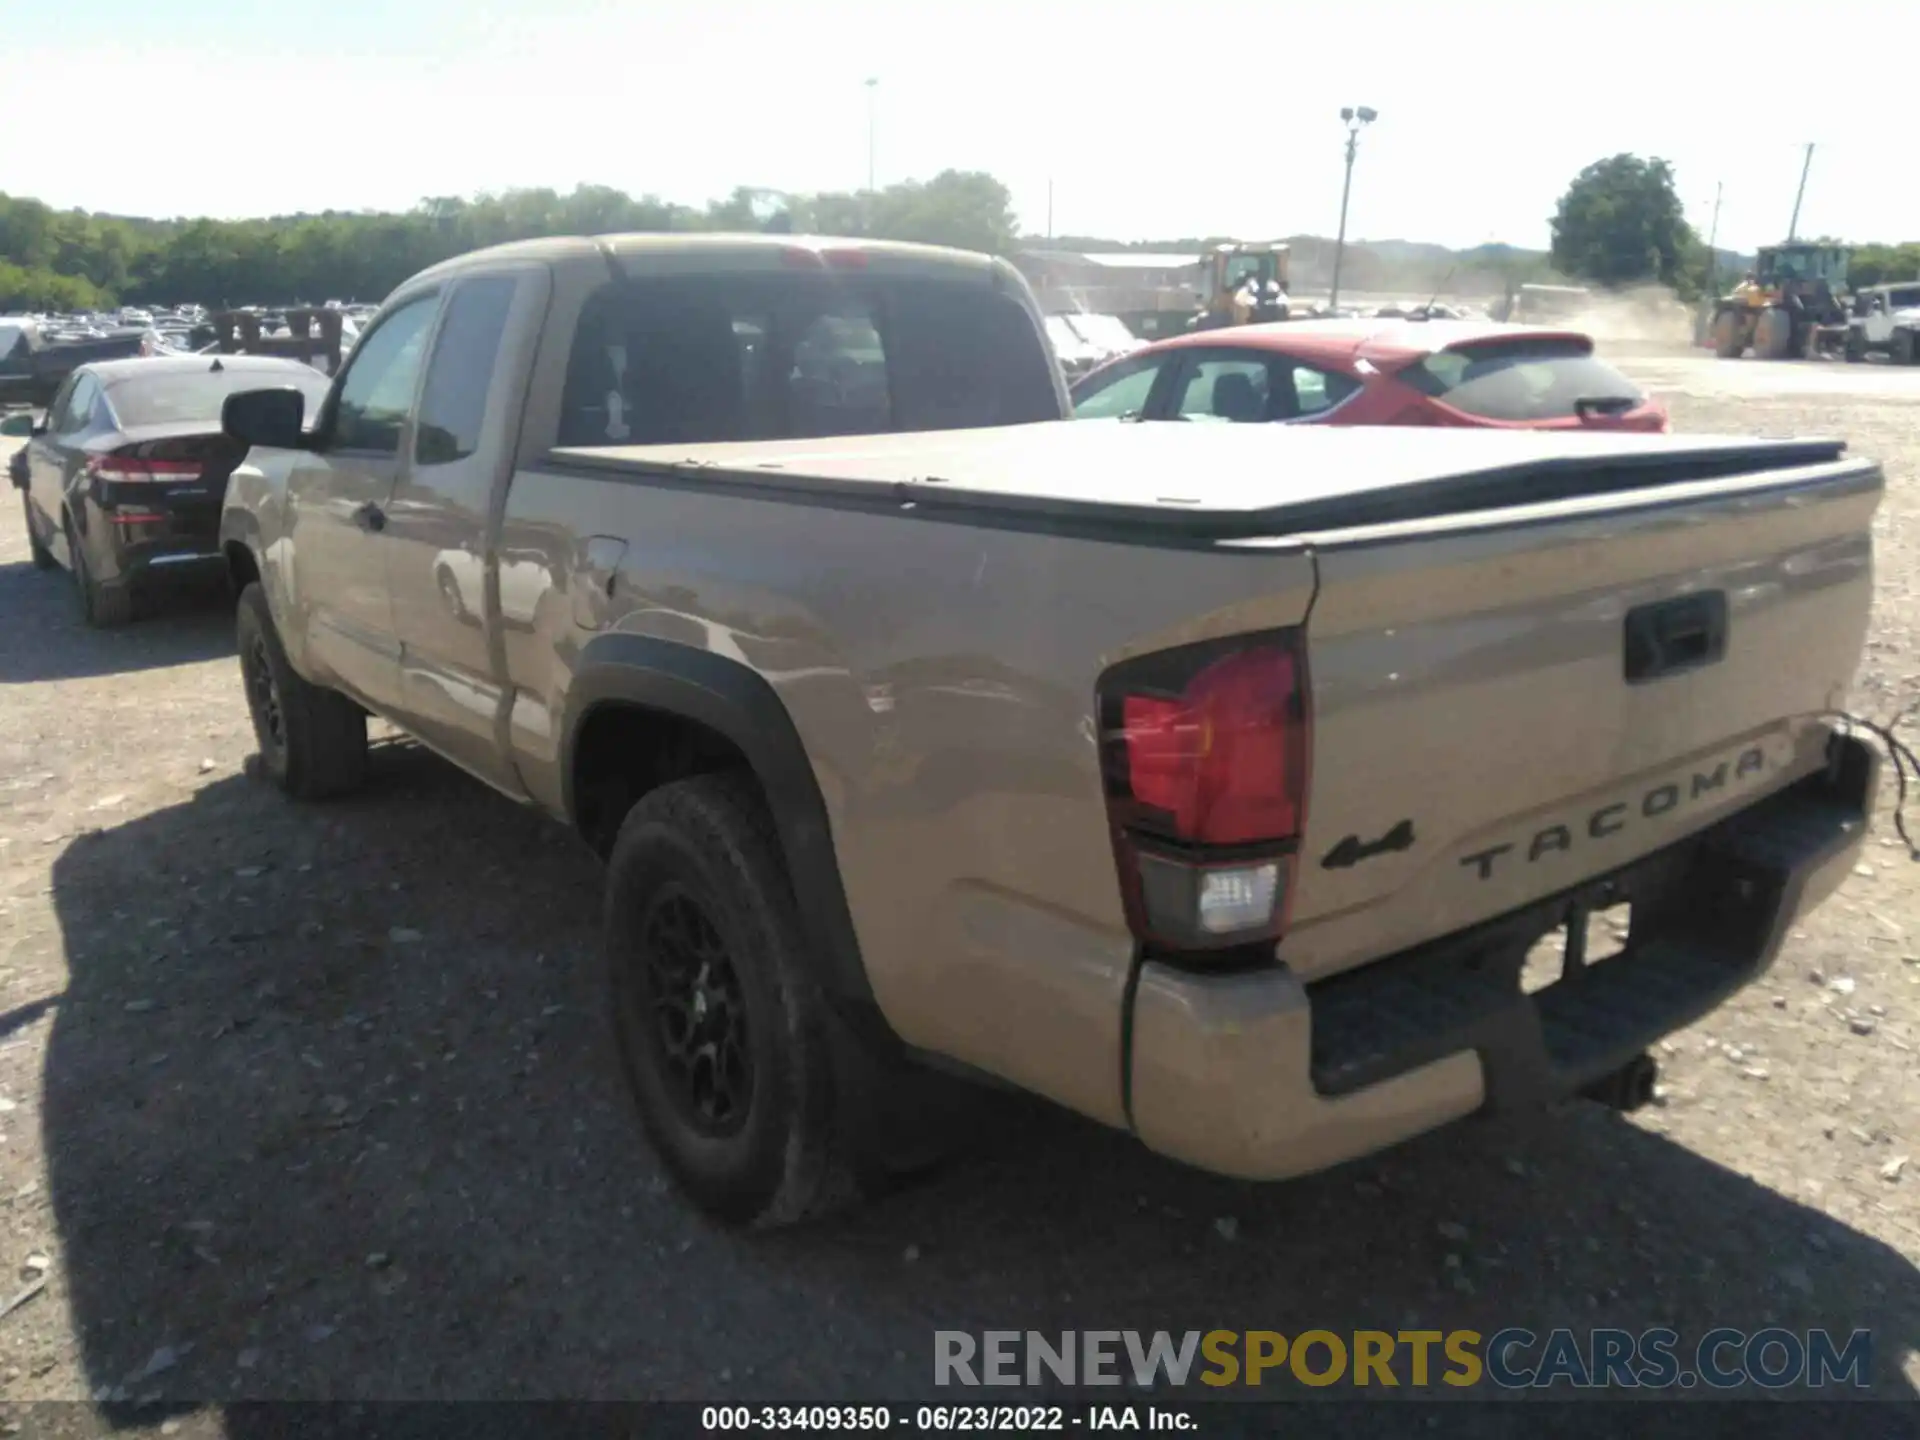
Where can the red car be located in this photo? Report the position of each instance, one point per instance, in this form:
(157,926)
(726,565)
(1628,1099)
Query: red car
(1373,372)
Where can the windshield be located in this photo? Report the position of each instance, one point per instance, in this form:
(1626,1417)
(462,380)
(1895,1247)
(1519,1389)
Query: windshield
(1109,332)
(1521,380)
(1065,336)
(180,397)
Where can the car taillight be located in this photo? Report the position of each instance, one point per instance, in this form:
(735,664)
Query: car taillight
(135,470)
(1206,752)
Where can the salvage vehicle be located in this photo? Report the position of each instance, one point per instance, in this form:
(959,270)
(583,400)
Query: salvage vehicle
(1885,321)
(1214,781)
(1374,372)
(122,481)
(33,365)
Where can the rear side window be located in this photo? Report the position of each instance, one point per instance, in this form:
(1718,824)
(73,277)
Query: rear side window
(1520,380)
(1117,392)
(1255,388)
(454,400)
(786,356)
(77,413)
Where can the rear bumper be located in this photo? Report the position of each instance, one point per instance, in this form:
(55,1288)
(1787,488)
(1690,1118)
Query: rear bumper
(1261,1076)
(179,543)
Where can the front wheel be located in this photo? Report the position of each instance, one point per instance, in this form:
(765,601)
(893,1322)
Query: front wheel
(313,741)
(741,1073)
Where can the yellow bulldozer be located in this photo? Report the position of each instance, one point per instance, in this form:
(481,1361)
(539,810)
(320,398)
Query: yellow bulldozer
(1245,284)
(1791,305)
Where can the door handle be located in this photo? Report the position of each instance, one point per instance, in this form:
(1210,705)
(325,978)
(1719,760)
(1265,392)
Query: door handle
(1675,635)
(370,517)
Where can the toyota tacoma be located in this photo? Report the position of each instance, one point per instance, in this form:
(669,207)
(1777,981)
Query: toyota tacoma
(1216,782)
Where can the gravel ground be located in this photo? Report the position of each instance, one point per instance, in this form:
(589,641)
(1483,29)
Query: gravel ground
(320,1103)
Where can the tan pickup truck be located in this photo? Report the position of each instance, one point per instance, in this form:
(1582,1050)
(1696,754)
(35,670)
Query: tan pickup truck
(1216,782)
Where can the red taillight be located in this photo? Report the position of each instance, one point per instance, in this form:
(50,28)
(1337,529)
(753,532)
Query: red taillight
(134,470)
(1206,754)
(1218,759)
(845,259)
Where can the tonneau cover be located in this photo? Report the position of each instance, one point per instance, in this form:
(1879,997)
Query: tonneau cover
(1215,480)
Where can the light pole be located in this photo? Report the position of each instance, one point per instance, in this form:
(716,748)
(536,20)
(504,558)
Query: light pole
(873,82)
(1354,117)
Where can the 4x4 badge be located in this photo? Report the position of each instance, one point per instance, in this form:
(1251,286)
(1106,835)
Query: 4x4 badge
(1352,850)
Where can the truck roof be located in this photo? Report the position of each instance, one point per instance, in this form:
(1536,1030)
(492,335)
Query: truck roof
(713,249)
(1205,481)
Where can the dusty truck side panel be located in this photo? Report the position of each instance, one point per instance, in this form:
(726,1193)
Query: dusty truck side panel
(952,740)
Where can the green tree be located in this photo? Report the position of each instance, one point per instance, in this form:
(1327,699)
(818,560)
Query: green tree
(1885,264)
(1621,223)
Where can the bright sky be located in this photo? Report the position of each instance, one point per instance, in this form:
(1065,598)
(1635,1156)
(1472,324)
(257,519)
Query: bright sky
(1150,119)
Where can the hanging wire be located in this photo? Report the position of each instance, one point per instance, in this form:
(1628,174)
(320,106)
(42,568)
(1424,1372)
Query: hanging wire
(1906,765)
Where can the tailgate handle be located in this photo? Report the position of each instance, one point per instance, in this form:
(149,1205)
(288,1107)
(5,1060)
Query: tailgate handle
(1675,635)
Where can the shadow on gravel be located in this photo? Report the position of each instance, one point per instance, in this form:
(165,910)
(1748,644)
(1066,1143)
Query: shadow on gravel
(331,1112)
(44,637)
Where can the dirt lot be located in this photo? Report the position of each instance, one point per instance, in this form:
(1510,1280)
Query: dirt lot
(320,1102)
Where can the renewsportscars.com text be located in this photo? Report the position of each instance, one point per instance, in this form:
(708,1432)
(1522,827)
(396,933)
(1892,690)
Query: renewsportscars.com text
(1509,1359)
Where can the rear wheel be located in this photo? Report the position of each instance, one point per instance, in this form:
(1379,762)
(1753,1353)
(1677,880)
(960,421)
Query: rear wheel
(103,606)
(313,741)
(1856,344)
(42,556)
(1729,335)
(1903,347)
(752,1090)
(1773,335)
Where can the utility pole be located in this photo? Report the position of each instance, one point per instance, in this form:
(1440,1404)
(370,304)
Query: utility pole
(872,82)
(1713,234)
(1793,226)
(1354,118)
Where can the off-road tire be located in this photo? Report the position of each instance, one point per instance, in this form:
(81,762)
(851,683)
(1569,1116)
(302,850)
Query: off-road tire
(313,741)
(1729,339)
(1856,348)
(1903,347)
(1773,334)
(104,607)
(800,1146)
(42,556)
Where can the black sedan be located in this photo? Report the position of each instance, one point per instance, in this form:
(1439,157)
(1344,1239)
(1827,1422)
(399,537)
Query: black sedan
(124,477)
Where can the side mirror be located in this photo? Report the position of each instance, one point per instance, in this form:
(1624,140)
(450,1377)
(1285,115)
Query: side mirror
(272,418)
(19,426)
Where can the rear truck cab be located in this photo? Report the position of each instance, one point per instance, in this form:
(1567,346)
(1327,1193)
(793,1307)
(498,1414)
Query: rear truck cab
(1212,781)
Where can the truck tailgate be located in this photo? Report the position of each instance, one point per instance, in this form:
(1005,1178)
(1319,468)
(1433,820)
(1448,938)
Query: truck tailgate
(1507,702)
